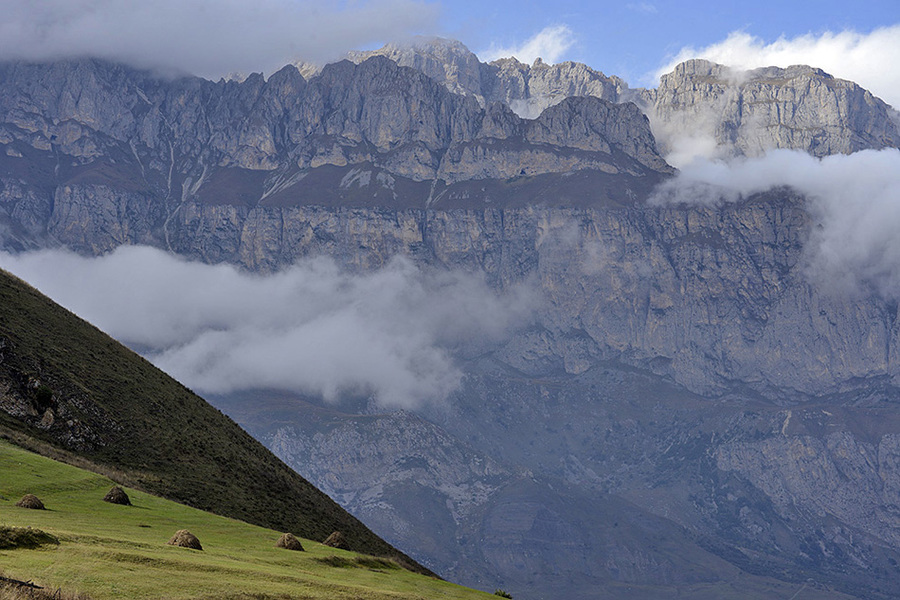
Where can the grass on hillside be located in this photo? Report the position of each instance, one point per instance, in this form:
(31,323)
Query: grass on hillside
(119,413)
(108,551)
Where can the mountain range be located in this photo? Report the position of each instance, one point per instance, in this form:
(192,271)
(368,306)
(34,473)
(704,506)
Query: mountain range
(690,411)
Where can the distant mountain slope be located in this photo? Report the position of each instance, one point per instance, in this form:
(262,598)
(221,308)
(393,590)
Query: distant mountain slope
(65,383)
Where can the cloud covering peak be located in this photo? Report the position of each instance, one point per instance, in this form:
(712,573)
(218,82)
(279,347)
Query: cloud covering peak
(854,201)
(210,38)
(864,58)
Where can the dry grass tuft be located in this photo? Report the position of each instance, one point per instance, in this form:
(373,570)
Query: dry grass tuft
(14,589)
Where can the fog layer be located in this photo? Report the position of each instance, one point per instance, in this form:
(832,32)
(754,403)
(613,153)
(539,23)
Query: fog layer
(312,328)
(210,38)
(854,201)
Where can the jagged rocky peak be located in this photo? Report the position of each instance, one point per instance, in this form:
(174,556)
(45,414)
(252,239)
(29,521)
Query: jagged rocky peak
(527,89)
(81,139)
(446,61)
(707,108)
(593,124)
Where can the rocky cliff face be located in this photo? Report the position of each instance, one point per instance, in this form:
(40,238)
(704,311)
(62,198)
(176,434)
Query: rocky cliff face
(96,155)
(733,417)
(704,296)
(701,108)
(733,113)
(527,90)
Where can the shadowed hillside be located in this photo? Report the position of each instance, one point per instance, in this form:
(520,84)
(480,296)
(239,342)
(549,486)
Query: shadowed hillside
(72,392)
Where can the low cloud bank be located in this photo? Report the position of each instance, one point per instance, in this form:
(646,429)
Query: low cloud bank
(210,38)
(312,328)
(854,200)
(859,57)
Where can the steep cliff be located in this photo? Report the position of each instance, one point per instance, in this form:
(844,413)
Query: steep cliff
(701,108)
(527,90)
(746,113)
(96,155)
(704,296)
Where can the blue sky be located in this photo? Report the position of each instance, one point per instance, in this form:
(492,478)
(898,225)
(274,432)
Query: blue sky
(630,38)
(634,38)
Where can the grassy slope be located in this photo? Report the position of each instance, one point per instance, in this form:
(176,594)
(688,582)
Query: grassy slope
(156,435)
(112,551)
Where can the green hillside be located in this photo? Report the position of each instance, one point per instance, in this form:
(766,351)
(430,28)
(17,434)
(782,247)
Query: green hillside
(69,391)
(112,551)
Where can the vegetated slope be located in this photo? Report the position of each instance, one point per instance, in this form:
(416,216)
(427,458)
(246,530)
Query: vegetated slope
(68,385)
(108,550)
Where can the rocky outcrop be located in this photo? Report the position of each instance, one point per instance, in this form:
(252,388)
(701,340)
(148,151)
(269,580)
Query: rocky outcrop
(837,474)
(705,296)
(527,90)
(447,62)
(96,155)
(724,112)
(380,465)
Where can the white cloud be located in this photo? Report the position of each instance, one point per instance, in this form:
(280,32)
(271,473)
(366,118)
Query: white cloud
(854,201)
(549,44)
(312,328)
(211,38)
(867,59)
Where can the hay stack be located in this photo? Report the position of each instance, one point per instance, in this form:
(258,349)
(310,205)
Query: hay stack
(337,540)
(117,496)
(185,539)
(289,542)
(31,501)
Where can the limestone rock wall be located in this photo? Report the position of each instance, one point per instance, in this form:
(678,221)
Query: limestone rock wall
(527,89)
(747,113)
(705,296)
